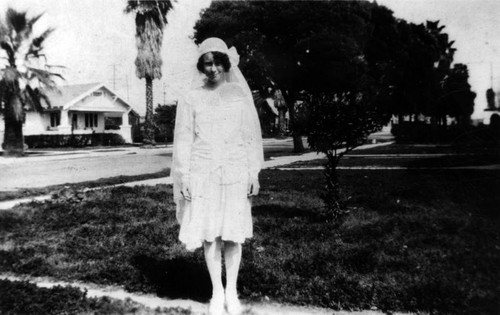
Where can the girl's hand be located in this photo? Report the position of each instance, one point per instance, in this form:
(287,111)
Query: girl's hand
(186,191)
(253,187)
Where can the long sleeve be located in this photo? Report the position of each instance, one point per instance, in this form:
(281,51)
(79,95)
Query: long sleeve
(183,140)
(253,141)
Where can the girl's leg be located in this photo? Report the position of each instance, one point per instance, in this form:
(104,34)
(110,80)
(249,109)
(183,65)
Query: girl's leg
(214,264)
(232,257)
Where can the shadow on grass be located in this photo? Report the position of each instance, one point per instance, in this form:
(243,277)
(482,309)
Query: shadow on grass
(276,211)
(177,278)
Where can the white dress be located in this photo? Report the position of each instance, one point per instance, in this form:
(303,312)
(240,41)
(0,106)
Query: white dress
(213,152)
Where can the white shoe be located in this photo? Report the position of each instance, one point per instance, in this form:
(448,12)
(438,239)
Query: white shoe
(233,304)
(216,306)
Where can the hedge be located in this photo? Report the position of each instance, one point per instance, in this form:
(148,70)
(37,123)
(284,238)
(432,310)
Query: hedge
(57,141)
(425,133)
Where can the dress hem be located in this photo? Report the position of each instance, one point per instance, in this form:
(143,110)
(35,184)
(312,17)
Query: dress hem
(191,246)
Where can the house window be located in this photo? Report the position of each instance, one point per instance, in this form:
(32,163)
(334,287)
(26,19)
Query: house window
(90,120)
(112,123)
(97,93)
(55,119)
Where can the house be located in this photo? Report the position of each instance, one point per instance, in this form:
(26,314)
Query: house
(81,109)
(270,115)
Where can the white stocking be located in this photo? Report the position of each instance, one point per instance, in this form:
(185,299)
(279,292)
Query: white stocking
(232,257)
(214,264)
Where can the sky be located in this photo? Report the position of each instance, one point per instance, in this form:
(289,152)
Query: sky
(95,41)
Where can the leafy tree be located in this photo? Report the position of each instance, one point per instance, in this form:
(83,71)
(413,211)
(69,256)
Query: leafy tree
(164,119)
(414,79)
(423,81)
(295,46)
(328,58)
(458,99)
(490,99)
(23,79)
(150,21)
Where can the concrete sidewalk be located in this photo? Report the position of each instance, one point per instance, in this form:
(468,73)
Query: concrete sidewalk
(197,308)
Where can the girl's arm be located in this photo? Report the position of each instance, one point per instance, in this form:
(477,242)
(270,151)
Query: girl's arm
(183,140)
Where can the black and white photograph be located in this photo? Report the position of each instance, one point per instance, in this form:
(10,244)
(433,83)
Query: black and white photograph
(250,157)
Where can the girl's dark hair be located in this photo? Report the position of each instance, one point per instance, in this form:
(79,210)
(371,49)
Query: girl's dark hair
(219,59)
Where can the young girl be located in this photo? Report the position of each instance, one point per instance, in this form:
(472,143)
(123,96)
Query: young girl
(217,158)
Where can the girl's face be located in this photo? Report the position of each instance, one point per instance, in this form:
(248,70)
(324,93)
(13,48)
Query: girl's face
(214,71)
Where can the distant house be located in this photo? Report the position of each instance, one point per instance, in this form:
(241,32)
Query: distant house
(81,109)
(270,115)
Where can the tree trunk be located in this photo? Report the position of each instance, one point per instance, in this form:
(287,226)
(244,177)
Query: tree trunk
(13,142)
(281,122)
(298,146)
(333,197)
(148,124)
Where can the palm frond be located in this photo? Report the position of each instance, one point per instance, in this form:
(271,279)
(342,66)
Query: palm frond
(55,66)
(43,96)
(32,99)
(158,9)
(6,44)
(16,20)
(44,77)
(4,30)
(33,20)
(36,45)
(10,75)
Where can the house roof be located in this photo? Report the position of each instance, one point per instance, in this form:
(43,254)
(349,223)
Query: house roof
(69,95)
(269,102)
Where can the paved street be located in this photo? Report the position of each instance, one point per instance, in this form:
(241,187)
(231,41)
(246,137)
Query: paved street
(41,171)
(57,168)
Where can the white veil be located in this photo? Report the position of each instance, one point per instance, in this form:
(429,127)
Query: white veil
(234,75)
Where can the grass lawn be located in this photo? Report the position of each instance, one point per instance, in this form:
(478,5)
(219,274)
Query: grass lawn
(20,297)
(394,155)
(414,241)
(32,192)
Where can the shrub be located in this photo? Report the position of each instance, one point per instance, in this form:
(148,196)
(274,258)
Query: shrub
(58,141)
(416,132)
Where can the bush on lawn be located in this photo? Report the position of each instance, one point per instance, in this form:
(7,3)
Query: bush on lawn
(458,134)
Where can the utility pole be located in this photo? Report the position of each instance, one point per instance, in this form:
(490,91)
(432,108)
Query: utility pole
(126,83)
(491,75)
(164,95)
(114,77)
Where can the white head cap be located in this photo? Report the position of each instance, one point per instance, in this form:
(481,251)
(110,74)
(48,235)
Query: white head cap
(212,44)
(217,44)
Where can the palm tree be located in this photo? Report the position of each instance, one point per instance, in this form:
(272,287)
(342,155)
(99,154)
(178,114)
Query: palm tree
(22,79)
(150,20)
